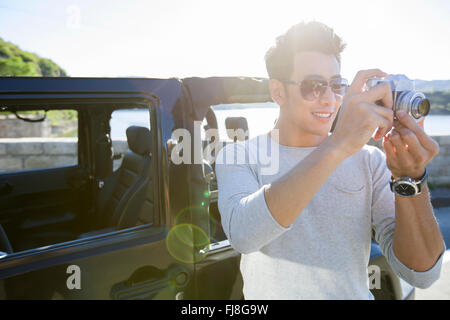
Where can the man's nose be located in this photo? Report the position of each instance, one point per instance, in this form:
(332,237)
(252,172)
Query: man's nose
(328,98)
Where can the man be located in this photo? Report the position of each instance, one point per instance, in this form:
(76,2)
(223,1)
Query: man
(305,230)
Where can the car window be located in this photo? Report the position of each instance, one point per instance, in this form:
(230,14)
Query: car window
(72,202)
(121,119)
(260,116)
(36,139)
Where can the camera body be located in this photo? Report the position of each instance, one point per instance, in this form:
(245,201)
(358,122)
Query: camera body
(404,96)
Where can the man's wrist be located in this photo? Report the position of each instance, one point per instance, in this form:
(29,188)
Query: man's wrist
(335,148)
(407,186)
(414,175)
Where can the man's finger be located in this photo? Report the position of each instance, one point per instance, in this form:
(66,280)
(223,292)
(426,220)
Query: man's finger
(361,78)
(378,117)
(415,149)
(389,150)
(381,92)
(386,120)
(402,153)
(427,142)
(407,121)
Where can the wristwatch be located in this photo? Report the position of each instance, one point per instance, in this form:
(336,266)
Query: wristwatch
(408,187)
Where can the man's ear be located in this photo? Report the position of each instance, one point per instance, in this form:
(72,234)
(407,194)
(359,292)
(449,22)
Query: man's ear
(278,92)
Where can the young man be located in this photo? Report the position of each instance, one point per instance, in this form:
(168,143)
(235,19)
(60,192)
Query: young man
(304,230)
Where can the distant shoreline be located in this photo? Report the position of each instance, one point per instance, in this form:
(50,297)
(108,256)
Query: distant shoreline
(259,105)
(269,105)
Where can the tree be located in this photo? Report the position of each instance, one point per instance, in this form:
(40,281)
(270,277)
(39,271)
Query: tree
(16,62)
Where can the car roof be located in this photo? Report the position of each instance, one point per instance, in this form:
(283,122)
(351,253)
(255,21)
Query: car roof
(196,94)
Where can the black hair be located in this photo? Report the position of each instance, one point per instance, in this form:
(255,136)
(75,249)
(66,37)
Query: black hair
(304,36)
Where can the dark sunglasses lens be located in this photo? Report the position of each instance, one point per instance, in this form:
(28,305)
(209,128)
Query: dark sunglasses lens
(312,89)
(339,87)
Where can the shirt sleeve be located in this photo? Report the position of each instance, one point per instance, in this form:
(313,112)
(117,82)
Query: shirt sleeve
(383,223)
(246,219)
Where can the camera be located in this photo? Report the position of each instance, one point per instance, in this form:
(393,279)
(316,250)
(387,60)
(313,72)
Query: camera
(404,96)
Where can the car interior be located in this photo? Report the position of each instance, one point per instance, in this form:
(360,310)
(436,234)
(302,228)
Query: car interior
(45,206)
(239,126)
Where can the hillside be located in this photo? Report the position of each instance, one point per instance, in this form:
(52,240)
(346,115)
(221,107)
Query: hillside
(440,102)
(432,86)
(438,92)
(16,62)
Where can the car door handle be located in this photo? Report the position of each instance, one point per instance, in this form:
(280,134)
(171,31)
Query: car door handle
(5,188)
(140,288)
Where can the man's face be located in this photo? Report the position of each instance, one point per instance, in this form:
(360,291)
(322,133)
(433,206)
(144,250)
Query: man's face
(306,115)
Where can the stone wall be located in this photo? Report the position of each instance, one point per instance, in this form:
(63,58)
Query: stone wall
(439,167)
(29,153)
(11,127)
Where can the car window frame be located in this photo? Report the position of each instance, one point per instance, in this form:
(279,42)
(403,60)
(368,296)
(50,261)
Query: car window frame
(20,259)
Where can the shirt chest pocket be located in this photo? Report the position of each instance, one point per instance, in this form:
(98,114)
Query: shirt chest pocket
(348,188)
(348,196)
(347,181)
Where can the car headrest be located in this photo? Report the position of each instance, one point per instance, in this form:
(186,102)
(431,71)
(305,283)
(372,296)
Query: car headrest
(139,140)
(234,124)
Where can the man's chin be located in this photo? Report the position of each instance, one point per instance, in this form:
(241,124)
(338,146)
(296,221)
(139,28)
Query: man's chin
(322,133)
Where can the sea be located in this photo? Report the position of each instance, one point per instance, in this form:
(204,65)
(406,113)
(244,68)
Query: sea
(260,117)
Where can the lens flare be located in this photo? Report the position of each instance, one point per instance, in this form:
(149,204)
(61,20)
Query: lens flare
(187,242)
(198,216)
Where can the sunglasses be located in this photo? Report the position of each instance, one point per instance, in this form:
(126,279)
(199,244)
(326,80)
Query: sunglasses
(313,88)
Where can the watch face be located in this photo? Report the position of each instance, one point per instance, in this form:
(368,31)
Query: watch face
(405,189)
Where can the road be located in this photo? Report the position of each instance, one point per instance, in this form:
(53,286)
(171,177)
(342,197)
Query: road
(440,290)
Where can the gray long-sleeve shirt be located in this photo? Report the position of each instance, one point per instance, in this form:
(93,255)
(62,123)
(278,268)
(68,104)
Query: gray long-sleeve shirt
(324,254)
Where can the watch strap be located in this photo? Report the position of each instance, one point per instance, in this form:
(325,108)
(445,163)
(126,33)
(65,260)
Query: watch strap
(420,182)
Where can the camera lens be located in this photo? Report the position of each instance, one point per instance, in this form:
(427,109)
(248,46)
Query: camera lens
(424,107)
(420,107)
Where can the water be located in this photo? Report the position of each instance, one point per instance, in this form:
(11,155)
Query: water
(260,120)
(437,125)
(122,119)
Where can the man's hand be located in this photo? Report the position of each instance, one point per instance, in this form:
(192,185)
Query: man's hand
(408,148)
(359,115)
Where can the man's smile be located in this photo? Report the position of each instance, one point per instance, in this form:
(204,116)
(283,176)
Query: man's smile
(323,116)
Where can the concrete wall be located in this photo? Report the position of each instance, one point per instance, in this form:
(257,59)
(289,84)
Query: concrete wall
(29,153)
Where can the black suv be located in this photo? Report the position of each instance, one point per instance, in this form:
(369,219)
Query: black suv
(95,218)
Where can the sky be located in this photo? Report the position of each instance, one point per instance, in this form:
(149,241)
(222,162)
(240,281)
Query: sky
(179,38)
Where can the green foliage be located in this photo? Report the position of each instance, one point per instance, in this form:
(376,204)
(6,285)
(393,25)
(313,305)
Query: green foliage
(62,117)
(15,66)
(16,62)
(440,102)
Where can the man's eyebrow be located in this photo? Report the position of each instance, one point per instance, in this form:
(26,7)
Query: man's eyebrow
(314,76)
(322,77)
